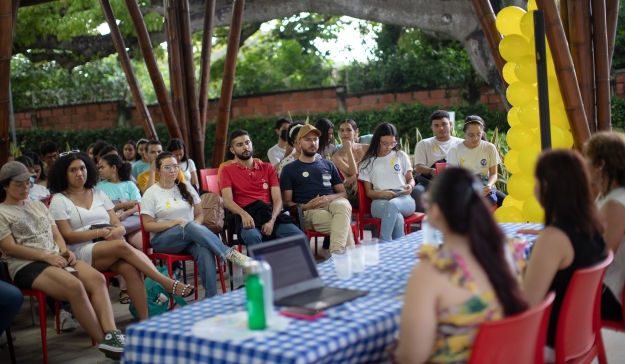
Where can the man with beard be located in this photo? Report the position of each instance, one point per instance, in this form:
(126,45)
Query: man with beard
(250,189)
(315,185)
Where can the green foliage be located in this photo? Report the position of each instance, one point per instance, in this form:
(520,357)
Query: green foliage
(618,60)
(306,28)
(618,113)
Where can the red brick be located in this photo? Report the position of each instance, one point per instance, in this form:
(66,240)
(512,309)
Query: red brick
(93,108)
(620,77)
(235,113)
(106,107)
(265,100)
(619,88)
(350,108)
(452,92)
(27,123)
(246,111)
(53,120)
(379,106)
(298,96)
(106,124)
(352,101)
(79,118)
(329,94)
(66,119)
(283,97)
(387,98)
(429,102)
(369,100)
(276,109)
(421,95)
(333,104)
(57,112)
(484,99)
(291,106)
(492,106)
(261,110)
(252,101)
(493,99)
(211,115)
(404,97)
(89,116)
(239,102)
(306,105)
(362,107)
(81,109)
(94,124)
(443,102)
(102,115)
(45,113)
(314,95)
(438,94)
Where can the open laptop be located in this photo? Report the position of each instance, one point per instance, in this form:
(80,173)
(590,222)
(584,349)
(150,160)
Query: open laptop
(296,281)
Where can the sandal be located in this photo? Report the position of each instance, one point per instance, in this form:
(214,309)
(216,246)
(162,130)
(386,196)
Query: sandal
(124,300)
(186,287)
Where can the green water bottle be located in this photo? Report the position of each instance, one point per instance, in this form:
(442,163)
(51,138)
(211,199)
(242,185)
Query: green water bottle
(255,303)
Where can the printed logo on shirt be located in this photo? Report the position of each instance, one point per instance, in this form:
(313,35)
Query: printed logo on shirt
(326,180)
(483,162)
(396,167)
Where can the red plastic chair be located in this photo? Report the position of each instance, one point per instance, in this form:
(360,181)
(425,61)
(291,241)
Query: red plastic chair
(578,334)
(516,339)
(203,174)
(615,325)
(364,203)
(212,184)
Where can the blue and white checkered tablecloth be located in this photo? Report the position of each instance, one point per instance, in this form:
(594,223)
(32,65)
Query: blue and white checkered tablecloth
(354,332)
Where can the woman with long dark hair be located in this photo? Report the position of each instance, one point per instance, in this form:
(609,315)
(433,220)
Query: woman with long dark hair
(172,213)
(348,157)
(572,237)
(38,167)
(86,219)
(468,281)
(187,166)
(130,152)
(141,164)
(37,192)
(387,175)
(326,140)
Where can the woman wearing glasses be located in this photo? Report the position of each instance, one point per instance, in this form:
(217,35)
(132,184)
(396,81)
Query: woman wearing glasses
(86,219)
(387,175)
(172,213)
(38,258)
(478,156)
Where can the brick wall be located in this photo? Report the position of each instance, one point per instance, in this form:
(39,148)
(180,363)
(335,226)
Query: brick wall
(83,116)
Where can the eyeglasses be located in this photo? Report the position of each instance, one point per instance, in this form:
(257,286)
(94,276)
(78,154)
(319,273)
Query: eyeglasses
(68,153)
(175,167)
(386,145)
(29,183)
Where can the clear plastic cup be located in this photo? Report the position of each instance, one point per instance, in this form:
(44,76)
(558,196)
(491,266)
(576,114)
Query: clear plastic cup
(357,254)
(371,248)
(342,265)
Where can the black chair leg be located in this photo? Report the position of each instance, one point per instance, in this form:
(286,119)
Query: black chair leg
(10,343)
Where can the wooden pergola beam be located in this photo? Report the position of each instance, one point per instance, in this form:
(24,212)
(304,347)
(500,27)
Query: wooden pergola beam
(602,66)
(6,43)
(205,62)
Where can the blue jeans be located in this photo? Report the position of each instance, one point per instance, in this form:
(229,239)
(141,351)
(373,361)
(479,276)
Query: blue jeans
(253,236)
(392,213)
(201,243)
(10,302)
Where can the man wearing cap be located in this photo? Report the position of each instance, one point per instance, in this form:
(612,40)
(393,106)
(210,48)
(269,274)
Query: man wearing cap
(248,186)
(315,185)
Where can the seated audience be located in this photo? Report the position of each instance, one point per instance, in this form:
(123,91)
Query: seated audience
(142,163)
(172,213)
(109,149)
(38,258)
(278,151)
(315,185)
(572,238)
(385,171)
(472,278)
(361,139)
(187,166)
(49,153)
(86,219)
(430,151)
(130,152)
(37,192)
(478,156)
(251,190)
(38,167)
(605,158)
(148,178)
(326,140)
(291,145)
(347,159)
(90,150)
(97,149)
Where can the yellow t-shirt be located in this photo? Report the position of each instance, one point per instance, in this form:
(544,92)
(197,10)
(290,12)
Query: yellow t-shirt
(142,179)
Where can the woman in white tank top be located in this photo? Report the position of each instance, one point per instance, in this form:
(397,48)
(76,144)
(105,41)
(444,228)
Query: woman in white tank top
(605,154)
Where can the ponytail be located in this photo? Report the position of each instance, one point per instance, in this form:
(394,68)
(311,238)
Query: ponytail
(184,192)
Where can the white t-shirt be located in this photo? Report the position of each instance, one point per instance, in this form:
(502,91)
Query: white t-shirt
(79,218)
(386,173)
(430,150)
(167,205)
(615,274)
(31,226)
(276,154)
(187,171)
(38,193)
(478,160)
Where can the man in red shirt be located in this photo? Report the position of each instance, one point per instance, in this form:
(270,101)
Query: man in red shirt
(248,185)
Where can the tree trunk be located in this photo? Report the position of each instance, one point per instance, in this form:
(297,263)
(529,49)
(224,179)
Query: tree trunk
(205,65)
(227,85)
(155,74)
(137,95)
(565,72)
(602,65)
(6,41)
(195,129)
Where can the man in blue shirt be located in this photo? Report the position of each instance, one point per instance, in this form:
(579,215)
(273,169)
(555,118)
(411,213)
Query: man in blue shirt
(315,185)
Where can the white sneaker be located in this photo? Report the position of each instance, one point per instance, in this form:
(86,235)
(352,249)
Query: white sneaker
(67,322)
(324,253)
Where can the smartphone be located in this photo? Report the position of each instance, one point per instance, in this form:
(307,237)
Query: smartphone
(102,226)
(71,270)
(400,192)
(302,313)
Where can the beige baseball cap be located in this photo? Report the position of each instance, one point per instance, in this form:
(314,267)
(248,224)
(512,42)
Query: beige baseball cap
(307,129)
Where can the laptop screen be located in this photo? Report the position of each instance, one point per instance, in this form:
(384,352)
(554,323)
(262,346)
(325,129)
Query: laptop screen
(290,261)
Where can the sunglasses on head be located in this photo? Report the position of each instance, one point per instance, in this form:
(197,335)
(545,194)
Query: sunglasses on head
(70,152)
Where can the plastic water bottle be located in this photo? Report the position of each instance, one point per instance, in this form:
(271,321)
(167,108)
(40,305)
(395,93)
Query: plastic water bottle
(265,276)
(255,302)
(429,233)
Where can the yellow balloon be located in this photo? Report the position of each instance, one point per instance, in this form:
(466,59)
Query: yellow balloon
(532,211)
(513,47)
(528,158)
(555,97)
(531,5)
(558,117)
(525,69)
(508,73)
(509,214)
(527,24)
(528,114)
(518,93)
(509,20)
(513,117)
(568,139)
(510,201)
(520,137)
(521,186)
(511,161)
(557,138)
